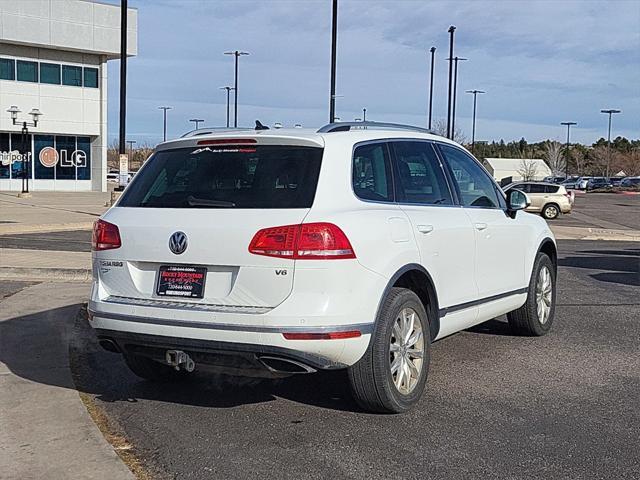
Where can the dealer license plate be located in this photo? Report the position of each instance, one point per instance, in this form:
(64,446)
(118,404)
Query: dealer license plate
(181,281)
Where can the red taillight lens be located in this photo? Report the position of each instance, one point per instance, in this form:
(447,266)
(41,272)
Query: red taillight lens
(311,241)
(322,336)
(106,236)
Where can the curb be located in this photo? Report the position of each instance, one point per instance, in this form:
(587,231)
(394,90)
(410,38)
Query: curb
(52,227)
(48,274)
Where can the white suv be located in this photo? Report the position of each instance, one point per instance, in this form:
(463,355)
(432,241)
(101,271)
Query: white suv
(289,251)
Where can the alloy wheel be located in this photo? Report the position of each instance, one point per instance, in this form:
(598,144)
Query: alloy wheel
(406,351)
(544,294)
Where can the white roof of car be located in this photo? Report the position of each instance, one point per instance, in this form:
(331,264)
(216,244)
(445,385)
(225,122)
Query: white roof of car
(306,136)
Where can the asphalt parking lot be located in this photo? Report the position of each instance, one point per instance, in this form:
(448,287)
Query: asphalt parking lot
(497,405)
(603,210)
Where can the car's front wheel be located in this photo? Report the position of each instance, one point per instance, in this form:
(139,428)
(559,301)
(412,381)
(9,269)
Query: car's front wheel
(392,374)
(536,315)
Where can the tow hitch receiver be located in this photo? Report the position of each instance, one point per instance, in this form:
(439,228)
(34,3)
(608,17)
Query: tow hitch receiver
(178,358)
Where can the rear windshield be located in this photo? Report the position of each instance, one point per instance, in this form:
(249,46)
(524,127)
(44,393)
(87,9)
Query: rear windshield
(227,177)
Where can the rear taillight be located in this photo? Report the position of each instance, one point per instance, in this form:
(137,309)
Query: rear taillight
(106,236)
(312,241)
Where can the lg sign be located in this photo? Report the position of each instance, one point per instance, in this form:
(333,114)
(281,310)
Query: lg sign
(49,157)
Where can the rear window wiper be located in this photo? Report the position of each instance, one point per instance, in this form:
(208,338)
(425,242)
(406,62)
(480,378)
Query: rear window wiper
(205,202)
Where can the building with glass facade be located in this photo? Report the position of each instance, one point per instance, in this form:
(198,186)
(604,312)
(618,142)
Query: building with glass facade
(53,57)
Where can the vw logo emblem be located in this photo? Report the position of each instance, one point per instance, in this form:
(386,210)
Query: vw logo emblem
(178,242)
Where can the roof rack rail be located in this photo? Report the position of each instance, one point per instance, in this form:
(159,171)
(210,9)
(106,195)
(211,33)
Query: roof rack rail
(210,130)
(347,126)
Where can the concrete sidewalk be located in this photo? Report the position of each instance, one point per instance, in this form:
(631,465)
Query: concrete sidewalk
(46,431)
(52,265)
(50,211)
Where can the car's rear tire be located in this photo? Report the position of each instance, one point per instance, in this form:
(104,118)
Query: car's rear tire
(550,211)
(535,317)
(392,374)
(149,369)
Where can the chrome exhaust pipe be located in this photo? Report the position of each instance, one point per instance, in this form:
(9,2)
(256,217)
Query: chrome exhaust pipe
(284,365)
(178,358)
(109,345)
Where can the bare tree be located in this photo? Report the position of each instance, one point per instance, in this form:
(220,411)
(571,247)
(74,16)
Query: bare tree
(554,157)
(629,162)
(440,128)
(600,156)
(528,169)
(580,159)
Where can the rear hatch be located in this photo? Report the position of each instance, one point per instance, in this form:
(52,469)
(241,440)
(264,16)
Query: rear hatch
(215,195)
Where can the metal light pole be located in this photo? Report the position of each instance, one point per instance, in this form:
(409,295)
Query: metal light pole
(433,59)
(236,54)
(130,143)
(228,89)
(35,114)
(609,112)
(197,121)
(334,41)
(455,94)
(451,31)
(473,127)
(164,124)
(123,75)
(364,114)
(566,148)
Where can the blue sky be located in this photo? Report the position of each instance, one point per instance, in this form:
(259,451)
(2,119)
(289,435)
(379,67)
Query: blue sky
(540,62)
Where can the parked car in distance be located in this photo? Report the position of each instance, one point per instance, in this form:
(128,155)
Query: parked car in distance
(287,251)
(579,183)
(630,182)
(616,181)
(556,180)
(595,183)
(547,199)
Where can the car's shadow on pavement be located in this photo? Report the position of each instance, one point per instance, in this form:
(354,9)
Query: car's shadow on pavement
(621,266)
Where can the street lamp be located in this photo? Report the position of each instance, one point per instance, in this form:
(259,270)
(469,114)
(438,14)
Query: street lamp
(130,143)
(433,58)
(334,47)
(197,121)
(473,128)
(609,112)
(451,31)
(35,115)
(164,129)
(236,54)
(455,93)
(566,149)
(228,89)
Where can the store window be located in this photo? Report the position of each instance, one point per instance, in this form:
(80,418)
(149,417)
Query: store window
(65,169)
(50,73)
(4,150)
(83,158)
(72,75)
(7,69)
(23,146)
(27,71)
(44,155)
(91,77)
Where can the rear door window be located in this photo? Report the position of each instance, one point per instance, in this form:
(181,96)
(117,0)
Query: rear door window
(420,177)
(227,177)
(371,173)
(537,188)
(551,189)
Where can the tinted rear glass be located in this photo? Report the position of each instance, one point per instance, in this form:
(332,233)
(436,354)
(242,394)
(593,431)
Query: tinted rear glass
(227,177)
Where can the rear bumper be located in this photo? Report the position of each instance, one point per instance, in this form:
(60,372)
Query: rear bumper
(231,355)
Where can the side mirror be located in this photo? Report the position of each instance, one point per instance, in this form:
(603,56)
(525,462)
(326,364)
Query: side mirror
(516,200)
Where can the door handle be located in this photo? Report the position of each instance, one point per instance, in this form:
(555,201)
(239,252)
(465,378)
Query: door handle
(425,228)
(481,226)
